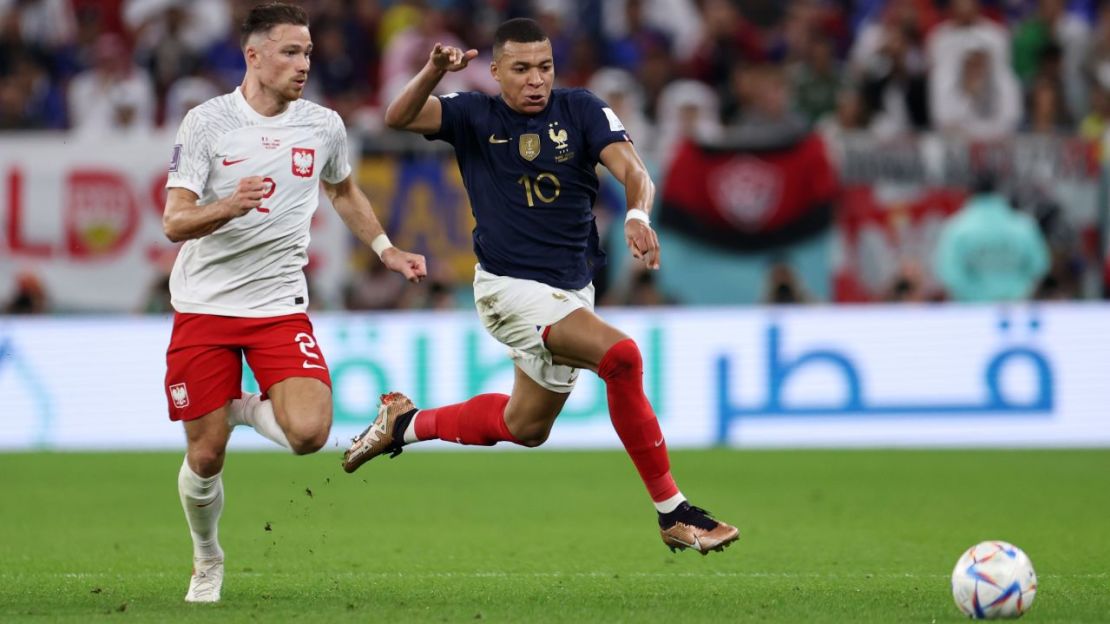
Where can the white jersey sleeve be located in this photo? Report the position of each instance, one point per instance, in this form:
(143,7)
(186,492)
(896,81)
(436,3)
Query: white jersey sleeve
(337,168)
(191,160)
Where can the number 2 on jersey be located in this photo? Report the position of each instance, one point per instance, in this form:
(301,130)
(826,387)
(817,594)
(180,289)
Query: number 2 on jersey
(271,186)
(534,189)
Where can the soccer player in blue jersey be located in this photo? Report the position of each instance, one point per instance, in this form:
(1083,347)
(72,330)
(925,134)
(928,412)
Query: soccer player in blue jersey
(528,161)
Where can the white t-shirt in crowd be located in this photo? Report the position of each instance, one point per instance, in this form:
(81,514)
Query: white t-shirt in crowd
(252,266)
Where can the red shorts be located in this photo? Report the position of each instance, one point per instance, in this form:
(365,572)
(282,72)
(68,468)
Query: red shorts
(204,363)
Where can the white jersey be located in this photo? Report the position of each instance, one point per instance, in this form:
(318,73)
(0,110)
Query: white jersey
(252,266)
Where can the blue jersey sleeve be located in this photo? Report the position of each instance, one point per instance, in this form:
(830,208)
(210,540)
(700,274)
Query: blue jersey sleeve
(457,109)
(600,123)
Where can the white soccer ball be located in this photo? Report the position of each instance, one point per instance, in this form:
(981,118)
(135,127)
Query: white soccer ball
(994,580)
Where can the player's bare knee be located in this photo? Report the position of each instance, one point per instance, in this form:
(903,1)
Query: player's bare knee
(532,436)
(308,435)
(206,460)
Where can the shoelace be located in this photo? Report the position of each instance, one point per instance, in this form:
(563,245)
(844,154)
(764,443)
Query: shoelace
(696,516)
(206,583)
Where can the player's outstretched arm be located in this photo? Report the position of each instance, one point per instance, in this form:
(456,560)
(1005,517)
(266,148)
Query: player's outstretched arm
(183,219)
(354,208)
(624,163)
(414,109)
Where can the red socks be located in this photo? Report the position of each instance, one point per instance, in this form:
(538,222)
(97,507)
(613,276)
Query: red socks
(479,421)
(622,370)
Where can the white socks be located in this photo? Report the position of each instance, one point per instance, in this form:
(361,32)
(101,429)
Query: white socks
(669,505)
(202,498)
(253,411)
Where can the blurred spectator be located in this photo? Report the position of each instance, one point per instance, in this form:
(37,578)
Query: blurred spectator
(972,86)
(892,72)
(185,93)
(1093,126)
(408,50)
(851,117)
(990,252)
(687,111)
(114,95)
(909,284)
(372,286)
(910,20)
(767,114)
(678,21)
(29,100)
(965,30)
(170,55)
(982,101)
(1048,114)
(783,285)
(47,24)
(637,39)
(729,41)
(29,297)
(815,79)
(158,296)
(1053,29)
(619,89)
(196,24)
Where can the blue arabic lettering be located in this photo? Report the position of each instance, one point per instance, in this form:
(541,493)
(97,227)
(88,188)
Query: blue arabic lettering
(780,368)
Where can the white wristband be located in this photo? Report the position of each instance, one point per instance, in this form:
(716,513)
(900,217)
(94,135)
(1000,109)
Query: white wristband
(639,215)
(380,244)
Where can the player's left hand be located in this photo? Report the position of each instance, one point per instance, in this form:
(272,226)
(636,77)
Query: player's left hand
(412,266)
(643,242)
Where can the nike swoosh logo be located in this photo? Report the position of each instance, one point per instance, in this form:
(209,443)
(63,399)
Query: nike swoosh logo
(493,139)
(228,163)
(659,443)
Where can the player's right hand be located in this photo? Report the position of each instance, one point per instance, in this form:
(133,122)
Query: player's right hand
(247,196)
(449,58)
(413,266)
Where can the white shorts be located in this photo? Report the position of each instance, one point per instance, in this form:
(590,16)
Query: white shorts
(517,311)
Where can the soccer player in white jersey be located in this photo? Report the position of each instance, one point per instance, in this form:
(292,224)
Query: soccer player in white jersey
(244,181)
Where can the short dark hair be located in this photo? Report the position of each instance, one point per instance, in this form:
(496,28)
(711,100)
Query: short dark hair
(518,29)
(265,16)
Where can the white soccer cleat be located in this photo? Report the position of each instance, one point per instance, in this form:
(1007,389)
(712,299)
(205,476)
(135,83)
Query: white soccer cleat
(208,578)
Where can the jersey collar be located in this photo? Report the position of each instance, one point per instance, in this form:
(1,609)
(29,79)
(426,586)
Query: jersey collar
(241,100)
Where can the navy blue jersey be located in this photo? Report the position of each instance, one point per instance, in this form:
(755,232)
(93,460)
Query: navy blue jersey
(532,182)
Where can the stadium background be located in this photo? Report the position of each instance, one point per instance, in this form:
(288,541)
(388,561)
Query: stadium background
(807,155)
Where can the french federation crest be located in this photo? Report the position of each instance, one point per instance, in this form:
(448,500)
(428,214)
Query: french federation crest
(304,161)
(529,146)
(180,395)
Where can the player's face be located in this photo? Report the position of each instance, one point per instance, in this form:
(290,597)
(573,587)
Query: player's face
(526,72)
(281,59)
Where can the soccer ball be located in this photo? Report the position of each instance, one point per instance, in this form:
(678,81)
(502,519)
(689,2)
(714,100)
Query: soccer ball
(994,580)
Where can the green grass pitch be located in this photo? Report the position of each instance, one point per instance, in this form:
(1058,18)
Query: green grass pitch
(536,536)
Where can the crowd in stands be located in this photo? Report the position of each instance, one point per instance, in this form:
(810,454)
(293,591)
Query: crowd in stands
(979,68)
(973,69)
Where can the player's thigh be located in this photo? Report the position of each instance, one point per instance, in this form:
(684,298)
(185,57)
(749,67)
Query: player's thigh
(517,312)
(206,439)
(284,348)
(532,409)
(581,339)
(302,404)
